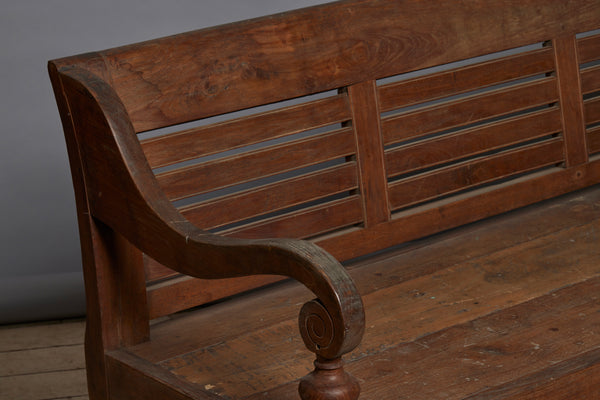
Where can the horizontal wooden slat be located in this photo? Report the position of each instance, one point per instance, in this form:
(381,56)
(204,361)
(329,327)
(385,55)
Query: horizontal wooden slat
(590,79)
(268,198)
(592,110)
(428,153)
(198,142)
(589,48)
(593,140)
(201,178)
(272,197)
(464,79)
(469,110)
(190,292)
(449,213)
(468,174)
(305,223)
(198,74)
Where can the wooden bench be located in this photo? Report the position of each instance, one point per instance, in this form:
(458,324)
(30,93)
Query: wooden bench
(372,134)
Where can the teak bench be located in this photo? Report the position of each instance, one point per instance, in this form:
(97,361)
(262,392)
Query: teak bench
(353,147)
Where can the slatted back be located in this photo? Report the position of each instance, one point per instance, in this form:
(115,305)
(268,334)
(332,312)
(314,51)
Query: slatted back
(361,124)
(589,56)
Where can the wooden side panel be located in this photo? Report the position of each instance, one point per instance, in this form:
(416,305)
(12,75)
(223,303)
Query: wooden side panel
(318,49)
(469,110)
(131,377)
(571,99)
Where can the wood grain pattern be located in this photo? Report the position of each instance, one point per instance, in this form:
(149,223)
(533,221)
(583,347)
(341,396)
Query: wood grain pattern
(305,223)
(299,56)
(196,179)
(468,142)
(464,79)
(593,139)
(571,99)
(182,292)
(449,213)
(590,79)
(369,154)
(272,197)
(393,267)
(451,179)
(466,291)
(588,49)
(206,140)
(468,110)
(332,188)
(592,110)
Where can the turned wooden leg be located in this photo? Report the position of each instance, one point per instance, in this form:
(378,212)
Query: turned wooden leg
(329,381)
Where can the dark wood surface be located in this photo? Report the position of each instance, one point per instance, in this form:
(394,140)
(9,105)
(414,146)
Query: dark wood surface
(466,304)
(330,127)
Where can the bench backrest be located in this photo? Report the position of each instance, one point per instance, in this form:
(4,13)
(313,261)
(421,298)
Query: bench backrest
(329,124)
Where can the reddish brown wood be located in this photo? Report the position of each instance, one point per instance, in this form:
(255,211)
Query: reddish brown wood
(272,197)
(590,79)
(462,176)
(469,110)
(305,223)
(588,49)
(571,99)
(155,271)
(124,210)
(593,139)
(592,110)
(460,80)
(369,152)
(329,382)
(449,213)
(206,140)
(336,41)
(182,293)
(189,181)
(468,142)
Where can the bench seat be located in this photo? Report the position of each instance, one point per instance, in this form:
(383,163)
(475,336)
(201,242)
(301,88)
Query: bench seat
(506,308)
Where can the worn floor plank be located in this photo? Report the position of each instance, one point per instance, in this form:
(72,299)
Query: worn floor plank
(43,361)
(44,386)
(35,336)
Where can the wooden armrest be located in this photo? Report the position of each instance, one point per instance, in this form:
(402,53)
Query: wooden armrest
(123,193)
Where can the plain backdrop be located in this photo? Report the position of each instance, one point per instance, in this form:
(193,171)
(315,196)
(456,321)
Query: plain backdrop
(40,262)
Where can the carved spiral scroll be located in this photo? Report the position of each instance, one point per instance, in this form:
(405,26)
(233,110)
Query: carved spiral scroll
(316,327)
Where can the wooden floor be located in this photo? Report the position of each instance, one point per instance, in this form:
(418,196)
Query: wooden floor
(42,361)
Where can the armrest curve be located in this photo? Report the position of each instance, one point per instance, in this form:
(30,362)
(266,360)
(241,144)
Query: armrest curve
(118,177)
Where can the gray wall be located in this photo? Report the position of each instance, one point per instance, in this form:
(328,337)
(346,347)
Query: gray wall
(40,271)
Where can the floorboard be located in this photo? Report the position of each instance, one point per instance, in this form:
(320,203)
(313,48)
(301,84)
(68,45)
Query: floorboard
(43,361)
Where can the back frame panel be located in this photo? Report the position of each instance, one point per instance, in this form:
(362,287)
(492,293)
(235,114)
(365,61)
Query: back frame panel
(410,158)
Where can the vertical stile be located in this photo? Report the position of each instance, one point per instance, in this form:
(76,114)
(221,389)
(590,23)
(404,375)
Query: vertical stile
(369,146)
(571,100)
